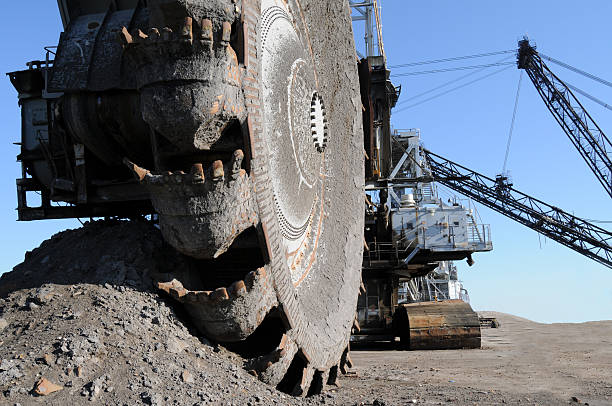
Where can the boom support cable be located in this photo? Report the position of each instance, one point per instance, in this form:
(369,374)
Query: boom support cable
(452,89)
(573,69)
(588,96)
(450,82)
(516,100)
(456,68)
(456,58)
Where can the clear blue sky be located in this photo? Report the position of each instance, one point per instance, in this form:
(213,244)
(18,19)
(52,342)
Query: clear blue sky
(469,126)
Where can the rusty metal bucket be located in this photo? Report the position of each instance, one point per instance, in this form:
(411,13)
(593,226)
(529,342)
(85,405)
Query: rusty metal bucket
(445,325)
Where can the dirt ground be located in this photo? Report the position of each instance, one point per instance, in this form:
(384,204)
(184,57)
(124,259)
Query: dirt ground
(81,324)
(520,362)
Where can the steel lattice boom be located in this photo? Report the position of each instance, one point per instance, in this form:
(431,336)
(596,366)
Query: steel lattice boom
(585,134)
(571,231)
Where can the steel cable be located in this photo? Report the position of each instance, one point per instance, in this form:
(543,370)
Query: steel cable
(425,72)
(453,89)
(450,82)
(456,58)
(516,100)
(570,67)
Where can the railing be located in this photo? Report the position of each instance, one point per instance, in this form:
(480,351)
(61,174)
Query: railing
(479,233)
(382,250)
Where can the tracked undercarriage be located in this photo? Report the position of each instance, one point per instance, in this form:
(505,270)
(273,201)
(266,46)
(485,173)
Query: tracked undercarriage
(238,124)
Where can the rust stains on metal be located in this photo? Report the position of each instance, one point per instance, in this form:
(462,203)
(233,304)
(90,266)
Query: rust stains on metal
(187,31)
(140,173)
(218,170)
(450,324)
(226,34)
(197,173)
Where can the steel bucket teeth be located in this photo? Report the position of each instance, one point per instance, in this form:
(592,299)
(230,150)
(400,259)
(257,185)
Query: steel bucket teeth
(202,212)
(272,367)
(227,314)
(201,78)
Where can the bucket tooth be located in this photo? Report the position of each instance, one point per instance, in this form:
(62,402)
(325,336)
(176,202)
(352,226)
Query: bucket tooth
(227,314)
(219,295)
(332,377)
(206,35)
(319,379)
(187,30)
(154,34)
(207,31)
(138,36)
(237,289)
(344,361)
(356,326)
(139,172)
(217,171)
(301,388)
(272,367)
(349,361)
(125,38)
(167,34)
(226,33)
(236,163)
(197,173)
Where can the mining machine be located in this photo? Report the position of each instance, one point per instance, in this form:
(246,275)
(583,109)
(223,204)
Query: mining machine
(410,290)
(410,232)
(410,235)
(237,125)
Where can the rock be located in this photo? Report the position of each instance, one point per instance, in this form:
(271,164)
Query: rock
(43,295)
(3,324)
(187,377)
(9,370)
(45,387)
(94,388)
(175,346)
(48,359)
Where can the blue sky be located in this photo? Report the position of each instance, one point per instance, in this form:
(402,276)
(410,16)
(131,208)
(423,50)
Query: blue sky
(524,275)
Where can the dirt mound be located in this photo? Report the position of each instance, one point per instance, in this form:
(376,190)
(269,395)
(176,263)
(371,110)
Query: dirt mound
(504,317)
(80,322)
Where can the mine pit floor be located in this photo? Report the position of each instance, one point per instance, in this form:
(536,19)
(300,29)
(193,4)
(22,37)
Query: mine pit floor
(81,324)
(522,362)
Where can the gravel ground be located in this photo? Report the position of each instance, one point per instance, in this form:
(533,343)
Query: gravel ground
(522,362)
(81,324)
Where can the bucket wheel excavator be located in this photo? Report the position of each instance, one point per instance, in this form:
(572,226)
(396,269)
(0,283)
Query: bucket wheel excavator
(236,123)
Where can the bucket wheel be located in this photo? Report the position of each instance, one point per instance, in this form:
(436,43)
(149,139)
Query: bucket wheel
(260,176)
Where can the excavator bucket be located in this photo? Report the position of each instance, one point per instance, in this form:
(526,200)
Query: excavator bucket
(445,325)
